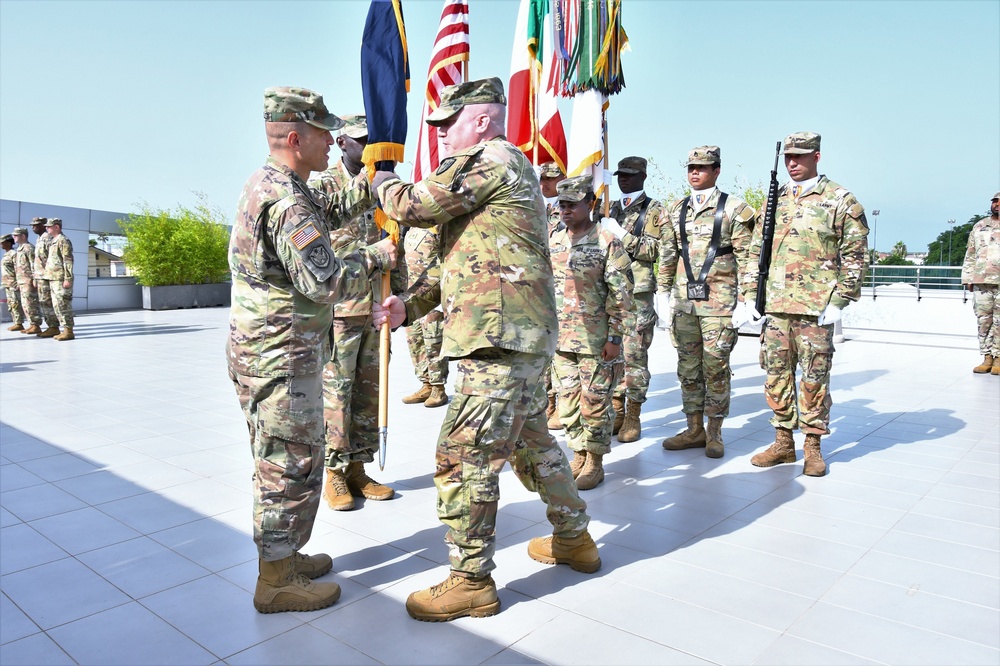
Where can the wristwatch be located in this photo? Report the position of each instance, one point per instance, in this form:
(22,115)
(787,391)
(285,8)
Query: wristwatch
(615,339)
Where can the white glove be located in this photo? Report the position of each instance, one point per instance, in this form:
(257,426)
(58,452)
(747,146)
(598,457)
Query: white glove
(831,315)
(611,224)
(608,178)
(745,313)
(662,306)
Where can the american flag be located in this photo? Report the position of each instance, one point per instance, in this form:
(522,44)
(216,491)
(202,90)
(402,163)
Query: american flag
(451,49)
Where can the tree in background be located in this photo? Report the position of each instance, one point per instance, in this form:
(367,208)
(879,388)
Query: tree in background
(937,250)
(898,256)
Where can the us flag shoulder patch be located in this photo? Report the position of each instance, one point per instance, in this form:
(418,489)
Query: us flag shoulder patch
(305,235)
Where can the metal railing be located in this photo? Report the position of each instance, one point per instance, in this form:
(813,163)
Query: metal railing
(926,280)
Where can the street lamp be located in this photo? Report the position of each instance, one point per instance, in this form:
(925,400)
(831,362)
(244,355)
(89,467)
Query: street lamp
(951,231)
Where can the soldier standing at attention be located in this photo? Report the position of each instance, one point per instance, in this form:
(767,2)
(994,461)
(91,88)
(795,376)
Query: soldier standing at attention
(350,377)
(285,279)
(9,274)
(549,176)
(981,276)
(500,325)
(424,336)
(817,261)
(636,220)
(59,275)
(45,304)
(593,281)
(24,270)
(703,253)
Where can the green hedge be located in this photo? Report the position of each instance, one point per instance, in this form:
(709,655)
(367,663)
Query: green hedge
(186,246)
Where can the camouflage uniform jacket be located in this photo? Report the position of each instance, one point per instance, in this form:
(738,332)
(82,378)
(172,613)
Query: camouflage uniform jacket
(496,278)
(818,254)
(7,267)
(422,254)
(59,265)
(24,262)
(360,227)
(593,278)
(285,275)
(42,255)
(724,275)
(982,258)
(642,245)
(552,213)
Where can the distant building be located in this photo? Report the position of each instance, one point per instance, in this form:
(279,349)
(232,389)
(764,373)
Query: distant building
(102,264)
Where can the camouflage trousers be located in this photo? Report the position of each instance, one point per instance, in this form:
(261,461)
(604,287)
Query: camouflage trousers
(285,419)
(585,383)
(14,305)
(986,303)
(703,347)
(790,341)
(46,298)
(29,301)
(635,382)
(350,392)
(61,301)
(498,414)
(423,337)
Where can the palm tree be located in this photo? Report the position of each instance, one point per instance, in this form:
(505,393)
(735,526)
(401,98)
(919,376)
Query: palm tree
(899,249)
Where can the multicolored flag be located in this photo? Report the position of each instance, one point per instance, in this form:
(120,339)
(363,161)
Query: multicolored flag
(451,50)
(586,138)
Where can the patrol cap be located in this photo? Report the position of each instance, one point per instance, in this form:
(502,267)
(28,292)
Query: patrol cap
(550,170)
(7,238)
(21,231)
(801,143)
(632,164)
(355,126)
(704,155)
(574,189)
(995,196)
(285,104)
(453,98)
(52,221)
(38,220)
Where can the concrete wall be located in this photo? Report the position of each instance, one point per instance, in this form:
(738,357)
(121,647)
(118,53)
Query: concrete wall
(896,308)
(78,224)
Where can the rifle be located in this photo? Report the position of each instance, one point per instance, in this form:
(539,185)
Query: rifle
(767,235)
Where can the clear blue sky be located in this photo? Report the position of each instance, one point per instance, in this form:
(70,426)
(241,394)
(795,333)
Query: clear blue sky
(107,104)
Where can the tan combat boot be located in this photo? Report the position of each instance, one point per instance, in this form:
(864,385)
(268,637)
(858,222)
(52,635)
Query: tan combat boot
(420,395)
(576,465)
(281,588)
(618,404)
(67,334)
(592,472)
(692,437)
(985,366)
(631,429)
(34,329)
(15,327)
(50,332)
(579,552)
(814,465)
(456,597)
(362,485)
(714,447)
(437,397)
(312,566)
(781,451)
(335,491)
(554,423)
(996,366)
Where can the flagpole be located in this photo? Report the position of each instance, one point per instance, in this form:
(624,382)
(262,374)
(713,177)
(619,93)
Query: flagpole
(607,186)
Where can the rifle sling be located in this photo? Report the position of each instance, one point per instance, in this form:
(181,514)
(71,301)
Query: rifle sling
(713,246)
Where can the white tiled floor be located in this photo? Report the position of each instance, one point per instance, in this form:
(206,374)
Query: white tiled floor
(125,521)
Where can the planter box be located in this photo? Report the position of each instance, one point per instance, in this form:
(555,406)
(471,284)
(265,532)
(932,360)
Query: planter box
(173,297)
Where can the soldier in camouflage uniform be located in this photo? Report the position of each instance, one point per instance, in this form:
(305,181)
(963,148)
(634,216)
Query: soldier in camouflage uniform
(424,336)
(593,282)
(59,275)
(817,262)
(549,176)
(9,274)
(500,326)
(636,220)
(701,328)
(45,304)
(24,270)
(981,275)
(350,377)
(285,280)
